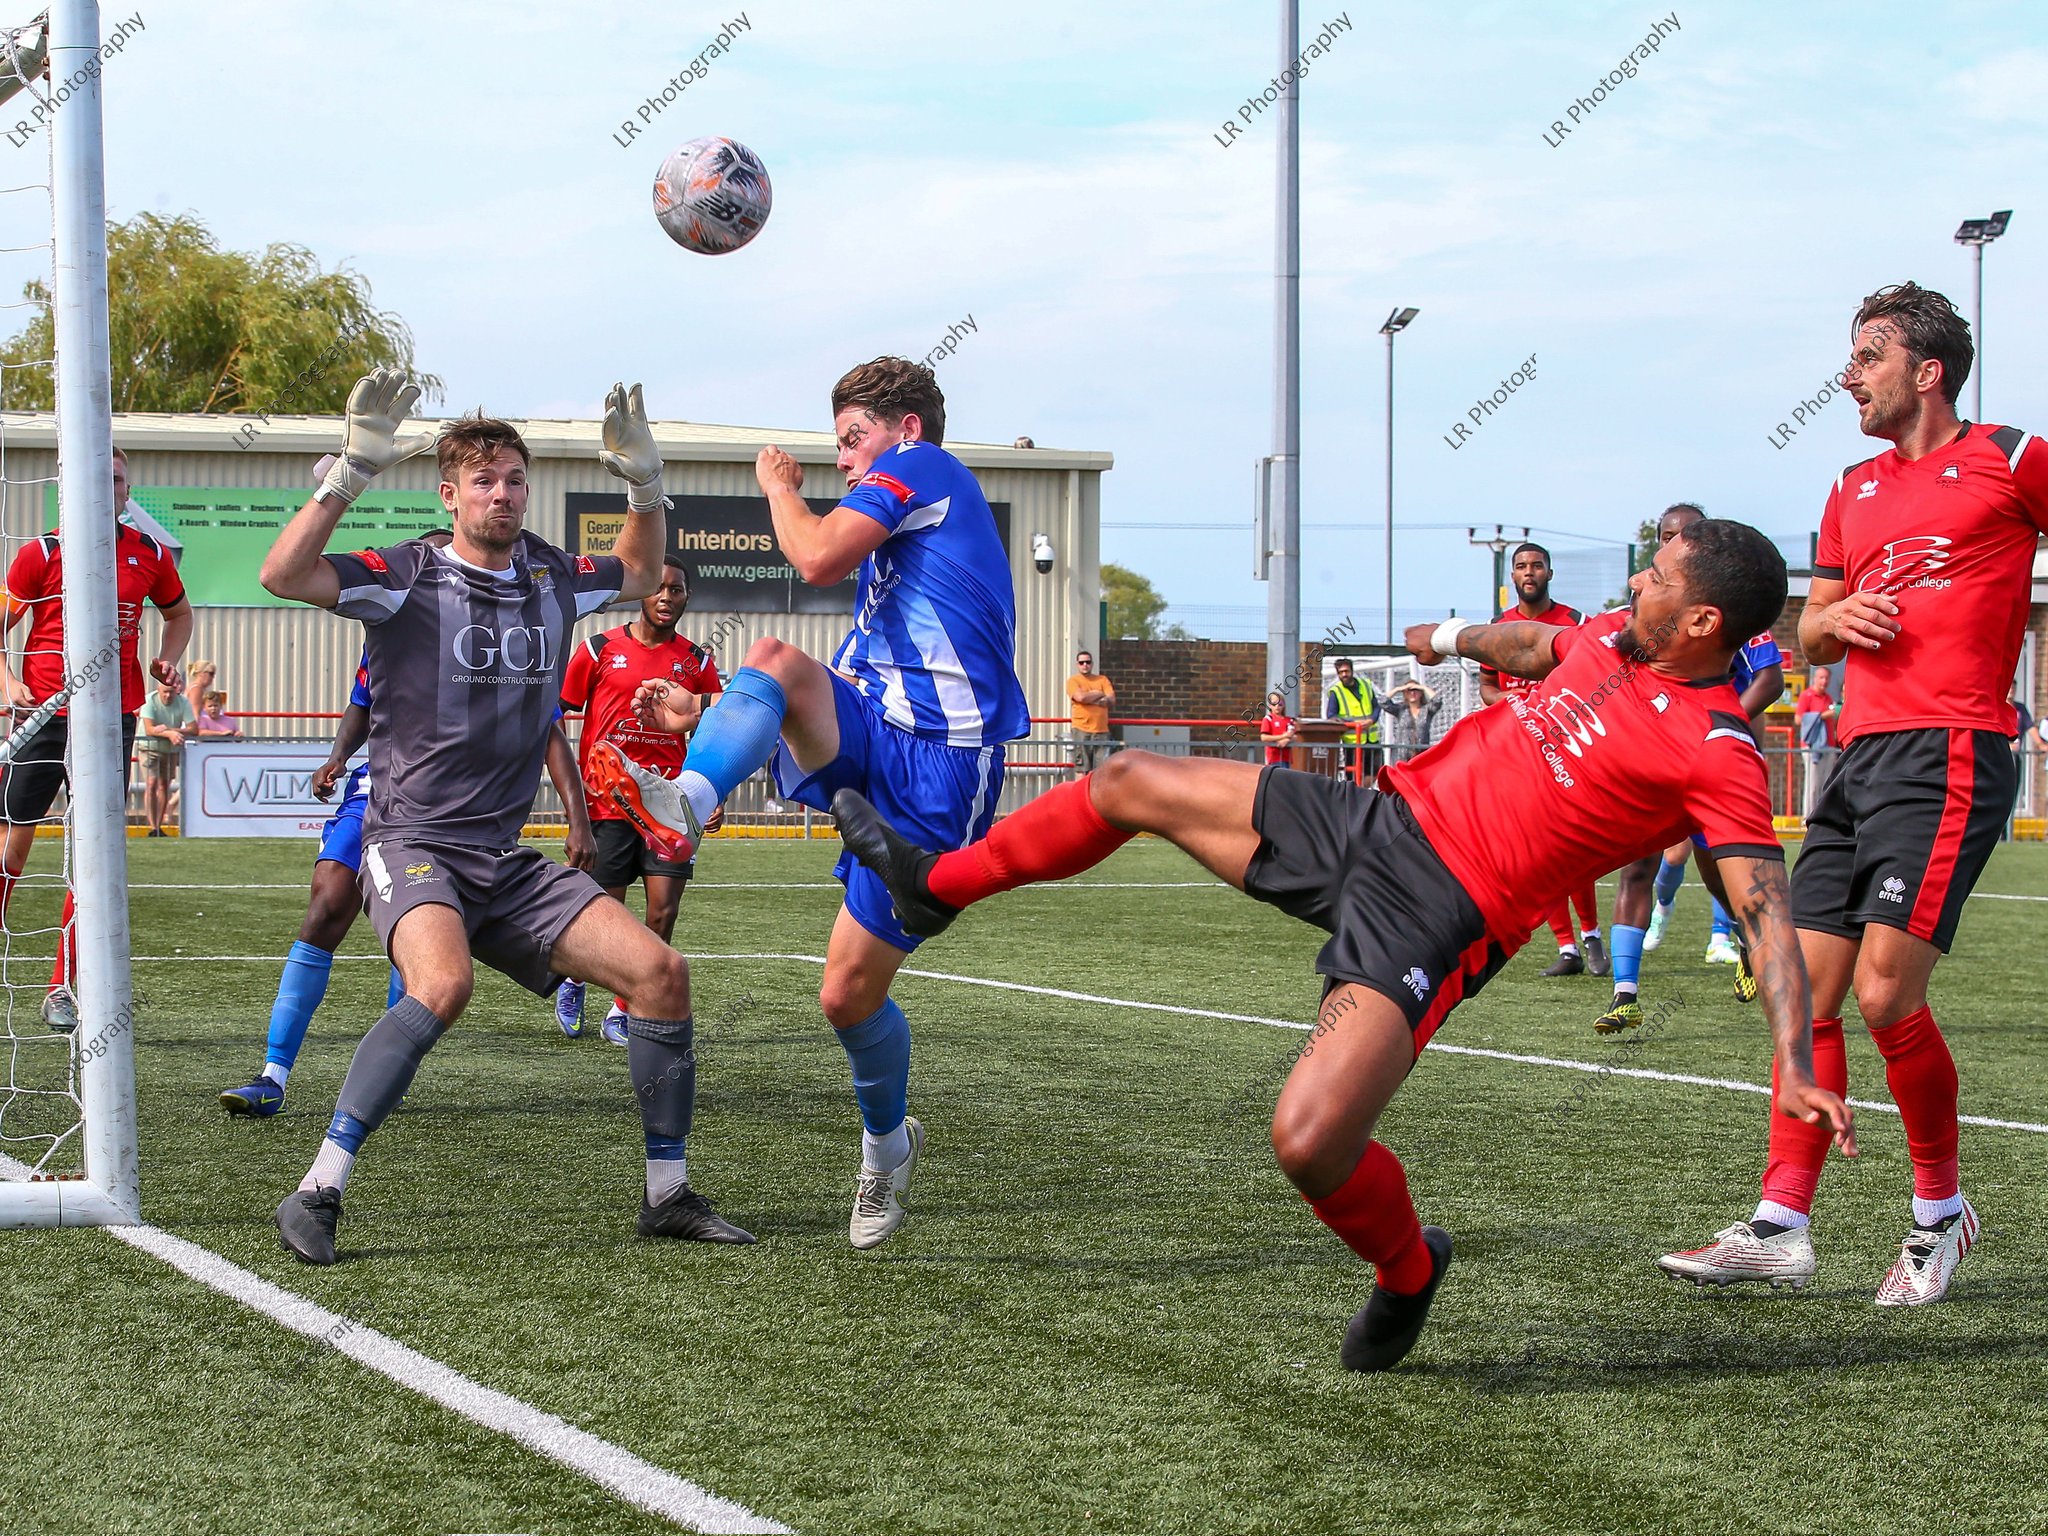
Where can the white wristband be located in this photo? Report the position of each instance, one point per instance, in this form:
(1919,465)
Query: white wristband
(1445,640)
(347,480)
(648,497)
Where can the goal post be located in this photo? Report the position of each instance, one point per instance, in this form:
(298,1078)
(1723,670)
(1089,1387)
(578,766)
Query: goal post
(103,1047)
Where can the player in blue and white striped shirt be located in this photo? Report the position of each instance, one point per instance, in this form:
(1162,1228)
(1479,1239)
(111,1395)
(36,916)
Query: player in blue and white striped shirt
(913,712)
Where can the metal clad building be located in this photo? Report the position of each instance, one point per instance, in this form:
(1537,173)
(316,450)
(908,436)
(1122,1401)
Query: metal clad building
(295,658)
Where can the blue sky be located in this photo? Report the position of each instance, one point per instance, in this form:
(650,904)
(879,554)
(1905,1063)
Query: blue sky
(1683,265)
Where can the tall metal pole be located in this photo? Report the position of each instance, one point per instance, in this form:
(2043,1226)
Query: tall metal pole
(1977,326)
(105,1040)
(1390,487)
(1283,593)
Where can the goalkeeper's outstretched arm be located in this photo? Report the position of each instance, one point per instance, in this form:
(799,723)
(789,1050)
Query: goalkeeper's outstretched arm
(1519,648)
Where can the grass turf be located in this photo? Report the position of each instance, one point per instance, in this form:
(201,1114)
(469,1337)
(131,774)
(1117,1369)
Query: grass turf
(1108,1312)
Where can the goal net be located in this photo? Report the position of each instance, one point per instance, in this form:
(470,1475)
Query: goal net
(67,1112)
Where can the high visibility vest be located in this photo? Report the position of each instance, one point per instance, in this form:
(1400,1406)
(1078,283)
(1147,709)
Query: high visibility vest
(1362,706)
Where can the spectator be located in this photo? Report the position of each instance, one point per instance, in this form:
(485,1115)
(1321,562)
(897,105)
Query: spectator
(1814,715)
(160,748)
(214,723)
(1409,717)
(199,680)
(1092,694)
(2026,715)
(1277,729)
(1353,700)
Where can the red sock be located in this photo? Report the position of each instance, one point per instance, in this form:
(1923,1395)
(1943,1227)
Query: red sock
(1588,903)
(6,892)
(1057,835)
(1798,1150)
(1560,920)
(1922,1077)
(60,973)
(1376,1219)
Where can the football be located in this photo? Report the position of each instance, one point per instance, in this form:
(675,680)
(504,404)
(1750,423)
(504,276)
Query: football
(712,196)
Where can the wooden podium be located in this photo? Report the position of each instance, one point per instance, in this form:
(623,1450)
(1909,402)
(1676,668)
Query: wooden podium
(1319,747)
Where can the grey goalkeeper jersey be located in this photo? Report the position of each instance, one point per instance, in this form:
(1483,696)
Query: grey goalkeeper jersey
(468,669)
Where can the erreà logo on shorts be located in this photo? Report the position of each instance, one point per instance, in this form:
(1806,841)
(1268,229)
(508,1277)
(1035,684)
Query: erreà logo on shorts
(1418,981)
(524,653)
(1893,889)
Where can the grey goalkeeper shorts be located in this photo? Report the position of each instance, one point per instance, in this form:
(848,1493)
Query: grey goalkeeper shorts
(515,902)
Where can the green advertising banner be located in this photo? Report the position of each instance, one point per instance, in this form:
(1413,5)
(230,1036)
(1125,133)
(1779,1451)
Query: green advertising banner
(227,531)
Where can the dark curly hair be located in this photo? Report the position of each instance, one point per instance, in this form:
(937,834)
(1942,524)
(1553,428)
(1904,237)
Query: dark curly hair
(890,388)
(1929,326)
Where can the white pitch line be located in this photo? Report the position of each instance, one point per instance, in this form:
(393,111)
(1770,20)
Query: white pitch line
(616,1470)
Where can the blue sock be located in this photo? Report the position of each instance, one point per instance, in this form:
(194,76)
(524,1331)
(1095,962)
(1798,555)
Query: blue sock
(1723,923)
(879,1048)
(299,992)
(1669,878)
(1627,950)
(393,991)
(737,735)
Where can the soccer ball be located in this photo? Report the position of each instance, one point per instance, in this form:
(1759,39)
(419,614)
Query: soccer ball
(712,196)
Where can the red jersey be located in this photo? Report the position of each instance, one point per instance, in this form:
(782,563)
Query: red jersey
(1950,538)
(604,673)
(1556,613)
(1276,725)
(35,581)
(1600,763)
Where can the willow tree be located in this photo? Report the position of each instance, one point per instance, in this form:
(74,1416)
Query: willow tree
(192,327)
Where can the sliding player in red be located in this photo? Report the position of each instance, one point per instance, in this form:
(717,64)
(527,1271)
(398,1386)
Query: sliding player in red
(1529,570)
(1921,581)
(1632,740)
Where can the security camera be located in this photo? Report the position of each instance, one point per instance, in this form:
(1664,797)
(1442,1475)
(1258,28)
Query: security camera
(1041,553)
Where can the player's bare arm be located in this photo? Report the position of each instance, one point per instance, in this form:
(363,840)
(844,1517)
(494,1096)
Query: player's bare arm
(1835,619)
(629,452)
(580,847)
(1519,648)
(824,550)
(1761,901)
(349,737)
(1764,689)
(170,650)
(377,406)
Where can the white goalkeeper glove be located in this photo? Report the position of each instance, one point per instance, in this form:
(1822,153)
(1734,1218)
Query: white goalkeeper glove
(629,450)
(370,445)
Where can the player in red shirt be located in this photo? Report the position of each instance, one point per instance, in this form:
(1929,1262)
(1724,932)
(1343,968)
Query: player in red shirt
(30,781)
(602,676)
(1529,570)
(1633,739)
(1921,582)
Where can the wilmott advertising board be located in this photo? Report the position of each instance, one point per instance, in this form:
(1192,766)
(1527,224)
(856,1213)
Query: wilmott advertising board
(254,789)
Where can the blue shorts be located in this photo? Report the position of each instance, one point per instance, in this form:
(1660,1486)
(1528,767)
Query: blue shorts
(938,796)
(1699,841)
(341,840)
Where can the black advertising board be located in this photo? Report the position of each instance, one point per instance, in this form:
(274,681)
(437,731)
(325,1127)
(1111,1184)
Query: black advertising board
(728,545)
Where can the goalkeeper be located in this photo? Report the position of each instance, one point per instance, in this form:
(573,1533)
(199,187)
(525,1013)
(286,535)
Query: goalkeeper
(466,643)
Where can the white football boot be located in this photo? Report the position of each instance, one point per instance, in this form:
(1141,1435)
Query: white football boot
(1928,1261)
(1720,951)
(1737,1254)
(880,1199)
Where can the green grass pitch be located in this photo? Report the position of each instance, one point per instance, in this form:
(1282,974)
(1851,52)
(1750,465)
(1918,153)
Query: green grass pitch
(1108,1311)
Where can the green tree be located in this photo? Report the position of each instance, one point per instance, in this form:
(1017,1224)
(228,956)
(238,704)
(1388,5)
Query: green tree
(1134,607)
(192,327)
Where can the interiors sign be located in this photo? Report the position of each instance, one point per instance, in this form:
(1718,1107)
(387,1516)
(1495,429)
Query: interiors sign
(727,543)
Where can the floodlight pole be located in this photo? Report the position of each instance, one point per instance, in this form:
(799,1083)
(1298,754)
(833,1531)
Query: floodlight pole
(1397,321)
(1283,594)
(1976,234)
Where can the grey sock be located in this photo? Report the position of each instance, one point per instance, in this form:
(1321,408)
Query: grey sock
(663,1064)
(385,1062)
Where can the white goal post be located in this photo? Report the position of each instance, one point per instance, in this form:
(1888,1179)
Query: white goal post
(102,1051)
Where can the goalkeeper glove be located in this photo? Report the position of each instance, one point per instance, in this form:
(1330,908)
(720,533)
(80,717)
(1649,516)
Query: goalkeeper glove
(629,450)
(371,444)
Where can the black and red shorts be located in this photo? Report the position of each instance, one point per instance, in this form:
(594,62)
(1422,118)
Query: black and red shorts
(1902,831)
(1350,859)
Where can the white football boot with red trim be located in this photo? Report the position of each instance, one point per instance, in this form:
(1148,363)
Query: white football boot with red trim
(1738,1254)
